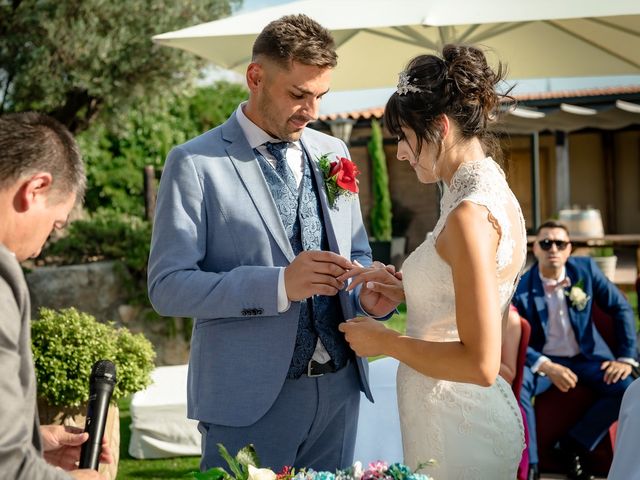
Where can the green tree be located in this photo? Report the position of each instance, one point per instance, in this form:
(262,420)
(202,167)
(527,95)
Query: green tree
(77,59)
(115,155)
(381,215)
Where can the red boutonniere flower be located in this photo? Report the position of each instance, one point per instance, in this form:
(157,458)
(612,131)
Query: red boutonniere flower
(339,177)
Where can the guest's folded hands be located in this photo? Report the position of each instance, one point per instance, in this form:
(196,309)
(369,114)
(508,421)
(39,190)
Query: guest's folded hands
(366,336)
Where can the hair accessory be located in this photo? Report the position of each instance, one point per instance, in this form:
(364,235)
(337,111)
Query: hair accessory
(405,86)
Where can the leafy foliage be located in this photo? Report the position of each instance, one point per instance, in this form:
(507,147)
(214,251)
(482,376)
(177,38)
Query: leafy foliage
(239,465)
(66,344)
(107,235)
(381,215)
(76,59)
(116,155)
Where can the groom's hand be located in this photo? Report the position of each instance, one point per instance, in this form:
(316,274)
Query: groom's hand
(314,272)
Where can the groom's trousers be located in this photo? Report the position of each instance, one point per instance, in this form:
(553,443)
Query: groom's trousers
(311,424)
(593,426)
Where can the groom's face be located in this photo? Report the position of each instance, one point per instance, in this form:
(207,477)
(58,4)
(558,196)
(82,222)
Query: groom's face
(283,101)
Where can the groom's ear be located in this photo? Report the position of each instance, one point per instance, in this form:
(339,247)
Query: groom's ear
(255,74)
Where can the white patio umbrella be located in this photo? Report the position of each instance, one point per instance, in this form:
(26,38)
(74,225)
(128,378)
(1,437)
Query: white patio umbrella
(376,38)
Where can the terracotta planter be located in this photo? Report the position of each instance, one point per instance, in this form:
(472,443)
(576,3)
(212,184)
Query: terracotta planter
(75,416)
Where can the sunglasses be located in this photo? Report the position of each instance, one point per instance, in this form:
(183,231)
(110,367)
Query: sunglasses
(546,244)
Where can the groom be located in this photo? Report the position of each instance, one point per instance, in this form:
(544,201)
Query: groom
(245,241)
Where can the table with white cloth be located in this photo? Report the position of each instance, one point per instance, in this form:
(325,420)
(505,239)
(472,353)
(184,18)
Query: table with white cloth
(379,435)
(159,424)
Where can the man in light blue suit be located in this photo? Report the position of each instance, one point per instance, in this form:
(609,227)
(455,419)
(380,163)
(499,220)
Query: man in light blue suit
(556,296)
(246,242)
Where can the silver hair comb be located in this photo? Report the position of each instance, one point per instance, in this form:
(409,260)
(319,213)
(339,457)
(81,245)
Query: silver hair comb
(405,86)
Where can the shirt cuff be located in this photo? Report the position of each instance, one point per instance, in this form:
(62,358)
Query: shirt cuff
(631,361)
(283,301)
(539,362)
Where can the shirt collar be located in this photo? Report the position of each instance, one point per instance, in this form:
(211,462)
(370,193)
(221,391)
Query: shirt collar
(253,133)
(547,281)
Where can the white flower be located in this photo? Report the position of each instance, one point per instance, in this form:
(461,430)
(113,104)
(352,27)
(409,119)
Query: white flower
(578,298)
(261,473)
(357,470)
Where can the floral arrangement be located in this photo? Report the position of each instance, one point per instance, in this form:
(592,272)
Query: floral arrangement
(339,177)
(245,467)
(577,296)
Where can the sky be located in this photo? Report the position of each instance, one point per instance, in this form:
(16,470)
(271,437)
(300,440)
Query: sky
(335,102)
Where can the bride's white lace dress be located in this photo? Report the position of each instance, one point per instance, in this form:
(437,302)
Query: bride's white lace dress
(472,432)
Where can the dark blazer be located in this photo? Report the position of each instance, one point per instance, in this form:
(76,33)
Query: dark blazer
(530,302)
(20,443)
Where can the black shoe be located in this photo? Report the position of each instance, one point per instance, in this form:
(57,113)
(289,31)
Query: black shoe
(571,452)
(533,474)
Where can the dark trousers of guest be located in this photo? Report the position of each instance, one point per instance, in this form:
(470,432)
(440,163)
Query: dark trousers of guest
(593,426)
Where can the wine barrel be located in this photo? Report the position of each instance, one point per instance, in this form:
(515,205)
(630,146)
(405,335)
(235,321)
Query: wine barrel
(585,223)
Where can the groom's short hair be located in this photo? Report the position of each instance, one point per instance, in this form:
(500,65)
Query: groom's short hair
(296,38)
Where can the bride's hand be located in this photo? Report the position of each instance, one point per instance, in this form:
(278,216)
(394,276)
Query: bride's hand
(382,288)
(366,336)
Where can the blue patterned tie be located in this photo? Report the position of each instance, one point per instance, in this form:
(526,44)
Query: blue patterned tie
(279,152)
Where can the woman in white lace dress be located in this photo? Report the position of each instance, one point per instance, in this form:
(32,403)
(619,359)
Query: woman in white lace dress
(454,408)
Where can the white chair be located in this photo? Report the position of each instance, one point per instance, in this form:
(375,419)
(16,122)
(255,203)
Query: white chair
(378,436)
(159,424)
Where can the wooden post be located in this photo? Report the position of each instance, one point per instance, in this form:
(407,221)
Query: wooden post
(609,154)
(150,191)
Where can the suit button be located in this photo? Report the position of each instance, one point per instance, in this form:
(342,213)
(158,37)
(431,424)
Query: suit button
(245,312)
(259,311)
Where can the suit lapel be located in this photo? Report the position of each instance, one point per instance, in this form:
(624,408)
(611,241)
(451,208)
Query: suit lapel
(330,219)
(327,213)
(243,158)
(575,317)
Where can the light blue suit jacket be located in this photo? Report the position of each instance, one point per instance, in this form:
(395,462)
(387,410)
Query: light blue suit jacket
(217,248)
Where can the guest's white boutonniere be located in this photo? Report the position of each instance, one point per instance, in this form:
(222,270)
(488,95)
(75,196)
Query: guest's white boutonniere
(339,177)
(577,297)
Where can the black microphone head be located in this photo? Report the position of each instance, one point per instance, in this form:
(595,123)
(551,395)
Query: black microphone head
(103,370)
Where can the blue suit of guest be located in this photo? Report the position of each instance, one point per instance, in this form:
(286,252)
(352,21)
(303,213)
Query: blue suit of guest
(565,347)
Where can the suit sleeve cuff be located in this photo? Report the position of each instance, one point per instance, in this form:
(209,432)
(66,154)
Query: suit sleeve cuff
(283,300)
(631,361)
(536,366)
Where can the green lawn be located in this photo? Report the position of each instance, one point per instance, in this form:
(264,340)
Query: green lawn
(130,468)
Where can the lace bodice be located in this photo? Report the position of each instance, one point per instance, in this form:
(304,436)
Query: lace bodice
(427,278)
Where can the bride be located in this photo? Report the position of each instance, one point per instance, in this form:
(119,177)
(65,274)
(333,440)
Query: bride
(454,408)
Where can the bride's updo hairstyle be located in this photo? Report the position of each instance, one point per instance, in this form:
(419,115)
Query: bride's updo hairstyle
(459,84)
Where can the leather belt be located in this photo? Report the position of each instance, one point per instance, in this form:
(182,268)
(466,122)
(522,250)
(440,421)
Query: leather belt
(315,369)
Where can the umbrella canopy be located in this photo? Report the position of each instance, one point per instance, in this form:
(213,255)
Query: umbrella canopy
(376,38)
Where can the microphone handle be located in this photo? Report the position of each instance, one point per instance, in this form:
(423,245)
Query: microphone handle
(96,419)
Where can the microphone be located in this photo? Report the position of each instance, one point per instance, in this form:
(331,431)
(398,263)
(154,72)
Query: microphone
(101,383)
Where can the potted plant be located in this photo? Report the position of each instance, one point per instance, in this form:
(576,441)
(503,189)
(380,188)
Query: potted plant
(381,214)
(66,343)
(605,258)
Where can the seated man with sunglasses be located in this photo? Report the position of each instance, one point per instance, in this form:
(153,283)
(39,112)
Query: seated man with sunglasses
(556,296)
